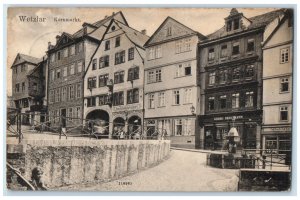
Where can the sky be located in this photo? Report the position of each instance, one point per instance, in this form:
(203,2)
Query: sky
(31,38)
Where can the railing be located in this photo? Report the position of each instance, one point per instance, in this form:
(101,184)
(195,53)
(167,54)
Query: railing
(92,128)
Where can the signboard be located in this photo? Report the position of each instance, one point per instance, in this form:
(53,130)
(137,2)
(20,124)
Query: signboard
(127,107)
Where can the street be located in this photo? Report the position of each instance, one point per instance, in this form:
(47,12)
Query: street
(183,171)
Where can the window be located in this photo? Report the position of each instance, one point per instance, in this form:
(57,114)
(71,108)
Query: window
(212,78)
(107,45)
(78,113)
(187,96)
(250,45)
(154,76)
(92,82)
(16,69)
(183,70)
(104,61)
(80,47)
(221,133)
(94,64)
(183,45)
(103,80)
(229,25)
(52,57)
(119,77)
(131,53)
(66,52)
(103,99)
(70,114)
(249,99)
(91,101)
(211,103)
(78,91)
(236,24)
(164,125)
(72,50)
(183,127)
(236,48)
(249,72)
(151,102)
(176,97)
(284,85)
(236,73)
(118,40)
(133,96)
(65,71)
(52,75)
(155,52)
(161,99)
(133,73)
(34,86)
(223,101)
(224,52)
(169,31)
(235,100)
(64,94)
(120,57)
(79,66)
(23,68)
(71,92)
(58,55)
(118,98)
(283,113)
(57,95)
(211,54)
(284,55)
(51,99)
(222,76)
(57,73)
(72,69)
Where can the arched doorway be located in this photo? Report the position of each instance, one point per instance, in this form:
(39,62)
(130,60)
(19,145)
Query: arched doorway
(99,118)
(134,125)
(118,125)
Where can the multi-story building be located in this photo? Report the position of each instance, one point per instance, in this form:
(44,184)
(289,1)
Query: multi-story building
(231,80)
(28,80)
(66,69)
(172,94)
(114,80)
(277,85)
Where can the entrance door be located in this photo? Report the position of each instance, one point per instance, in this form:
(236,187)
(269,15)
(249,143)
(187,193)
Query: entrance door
(64,115)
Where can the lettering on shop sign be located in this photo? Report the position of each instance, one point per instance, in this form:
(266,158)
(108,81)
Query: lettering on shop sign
(228,118)
(126,108)
(281,129)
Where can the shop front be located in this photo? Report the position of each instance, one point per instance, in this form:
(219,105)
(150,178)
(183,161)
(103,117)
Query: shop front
(217,126)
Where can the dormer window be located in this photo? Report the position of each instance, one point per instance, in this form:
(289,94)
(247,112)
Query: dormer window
(169,31)
(229,23)
(236,24)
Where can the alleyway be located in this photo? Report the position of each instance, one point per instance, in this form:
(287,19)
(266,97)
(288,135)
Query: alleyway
(183,171)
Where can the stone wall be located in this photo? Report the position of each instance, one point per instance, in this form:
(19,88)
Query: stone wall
(78,161)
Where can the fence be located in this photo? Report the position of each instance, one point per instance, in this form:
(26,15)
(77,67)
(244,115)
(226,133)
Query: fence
(19,123)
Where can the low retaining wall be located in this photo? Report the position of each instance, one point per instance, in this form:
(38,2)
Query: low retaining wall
(67,162)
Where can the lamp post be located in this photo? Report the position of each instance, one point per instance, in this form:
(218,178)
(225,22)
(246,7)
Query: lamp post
(110,85)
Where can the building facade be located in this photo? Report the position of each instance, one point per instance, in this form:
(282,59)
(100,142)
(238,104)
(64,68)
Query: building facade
(277,85)
(68,59)
(28,80)
(172,94)
(231,73)
(114,90)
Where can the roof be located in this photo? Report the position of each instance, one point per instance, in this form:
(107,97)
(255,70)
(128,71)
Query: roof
(259,21)
(26,58)
(135,36)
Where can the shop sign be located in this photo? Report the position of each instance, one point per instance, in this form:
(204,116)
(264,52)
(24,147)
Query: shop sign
(228,118)
(126,108)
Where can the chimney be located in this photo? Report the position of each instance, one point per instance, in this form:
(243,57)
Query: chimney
(105,17)
(144,31)
(57,38)
(49,45)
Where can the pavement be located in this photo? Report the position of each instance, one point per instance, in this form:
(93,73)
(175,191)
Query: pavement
(183,171)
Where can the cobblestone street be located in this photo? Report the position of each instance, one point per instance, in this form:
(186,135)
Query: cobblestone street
(183,171)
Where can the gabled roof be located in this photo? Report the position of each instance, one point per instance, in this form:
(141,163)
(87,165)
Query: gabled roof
(21,58)
(40,64)
(259,21)
(134,36)
(191,31)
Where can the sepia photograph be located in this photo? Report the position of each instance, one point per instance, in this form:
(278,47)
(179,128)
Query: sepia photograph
(164,99)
